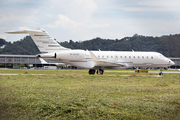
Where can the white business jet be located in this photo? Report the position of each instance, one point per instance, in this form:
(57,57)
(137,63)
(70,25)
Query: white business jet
(93,60)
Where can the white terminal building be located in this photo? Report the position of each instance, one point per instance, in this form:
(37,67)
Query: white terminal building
(13,61)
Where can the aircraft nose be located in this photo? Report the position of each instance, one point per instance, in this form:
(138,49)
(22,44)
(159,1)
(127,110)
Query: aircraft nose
(171,62)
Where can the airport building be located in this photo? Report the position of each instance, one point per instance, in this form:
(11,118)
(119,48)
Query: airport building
(176,61)
(17,61)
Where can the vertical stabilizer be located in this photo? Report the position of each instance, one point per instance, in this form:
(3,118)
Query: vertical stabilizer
(44,42)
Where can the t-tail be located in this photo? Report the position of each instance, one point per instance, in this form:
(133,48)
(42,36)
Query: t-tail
(45,43)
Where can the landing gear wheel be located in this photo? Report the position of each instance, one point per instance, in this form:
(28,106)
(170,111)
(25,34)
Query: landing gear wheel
(100,72)
(160,72)
(92,72)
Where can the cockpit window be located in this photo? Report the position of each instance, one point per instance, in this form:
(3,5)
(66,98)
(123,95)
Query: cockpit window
(161,56)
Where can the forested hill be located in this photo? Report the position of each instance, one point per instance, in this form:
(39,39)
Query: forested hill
(25,46)
(167,45)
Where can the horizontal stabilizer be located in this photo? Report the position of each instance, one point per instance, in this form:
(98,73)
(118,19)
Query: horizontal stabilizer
(24,31)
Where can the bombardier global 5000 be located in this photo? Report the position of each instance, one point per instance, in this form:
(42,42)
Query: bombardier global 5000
(93,60)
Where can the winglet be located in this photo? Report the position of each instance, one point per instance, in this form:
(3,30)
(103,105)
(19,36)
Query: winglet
(93,56)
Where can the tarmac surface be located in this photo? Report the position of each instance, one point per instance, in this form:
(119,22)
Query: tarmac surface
(148,71)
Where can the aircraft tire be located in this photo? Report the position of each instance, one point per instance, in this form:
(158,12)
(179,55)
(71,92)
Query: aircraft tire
(92,72)
(161,74)
(100,72)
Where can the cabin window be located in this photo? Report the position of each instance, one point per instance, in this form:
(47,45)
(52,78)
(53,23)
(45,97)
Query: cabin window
(98,56)
(124,56)
(102,56)
(116,56)
(111,56)
(151,57)
(120,56)
(147,57)
(134,57)
(138,57)
(129,56)
(107,56)
(143,57)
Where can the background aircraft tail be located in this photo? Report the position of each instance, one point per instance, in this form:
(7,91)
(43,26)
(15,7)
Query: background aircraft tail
(44,42)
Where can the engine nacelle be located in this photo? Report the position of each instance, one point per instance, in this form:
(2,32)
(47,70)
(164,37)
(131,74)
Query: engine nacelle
(46,55)
(70,55)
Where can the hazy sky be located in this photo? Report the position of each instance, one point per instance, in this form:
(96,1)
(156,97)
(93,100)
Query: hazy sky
(87,19)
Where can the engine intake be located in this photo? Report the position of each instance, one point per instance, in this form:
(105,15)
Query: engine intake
(70,55)
(46,55)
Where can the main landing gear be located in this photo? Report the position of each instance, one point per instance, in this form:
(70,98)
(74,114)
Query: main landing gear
(99,71)
(92,71)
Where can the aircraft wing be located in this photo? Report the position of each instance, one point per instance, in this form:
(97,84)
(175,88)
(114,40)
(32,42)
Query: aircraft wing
(108,63)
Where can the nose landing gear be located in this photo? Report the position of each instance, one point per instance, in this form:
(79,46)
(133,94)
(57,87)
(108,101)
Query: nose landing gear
(160,72)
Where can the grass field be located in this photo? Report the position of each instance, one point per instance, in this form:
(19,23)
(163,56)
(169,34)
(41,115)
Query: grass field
(73,94)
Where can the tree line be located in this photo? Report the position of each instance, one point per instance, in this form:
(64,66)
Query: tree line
(25,46)
(168,45)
